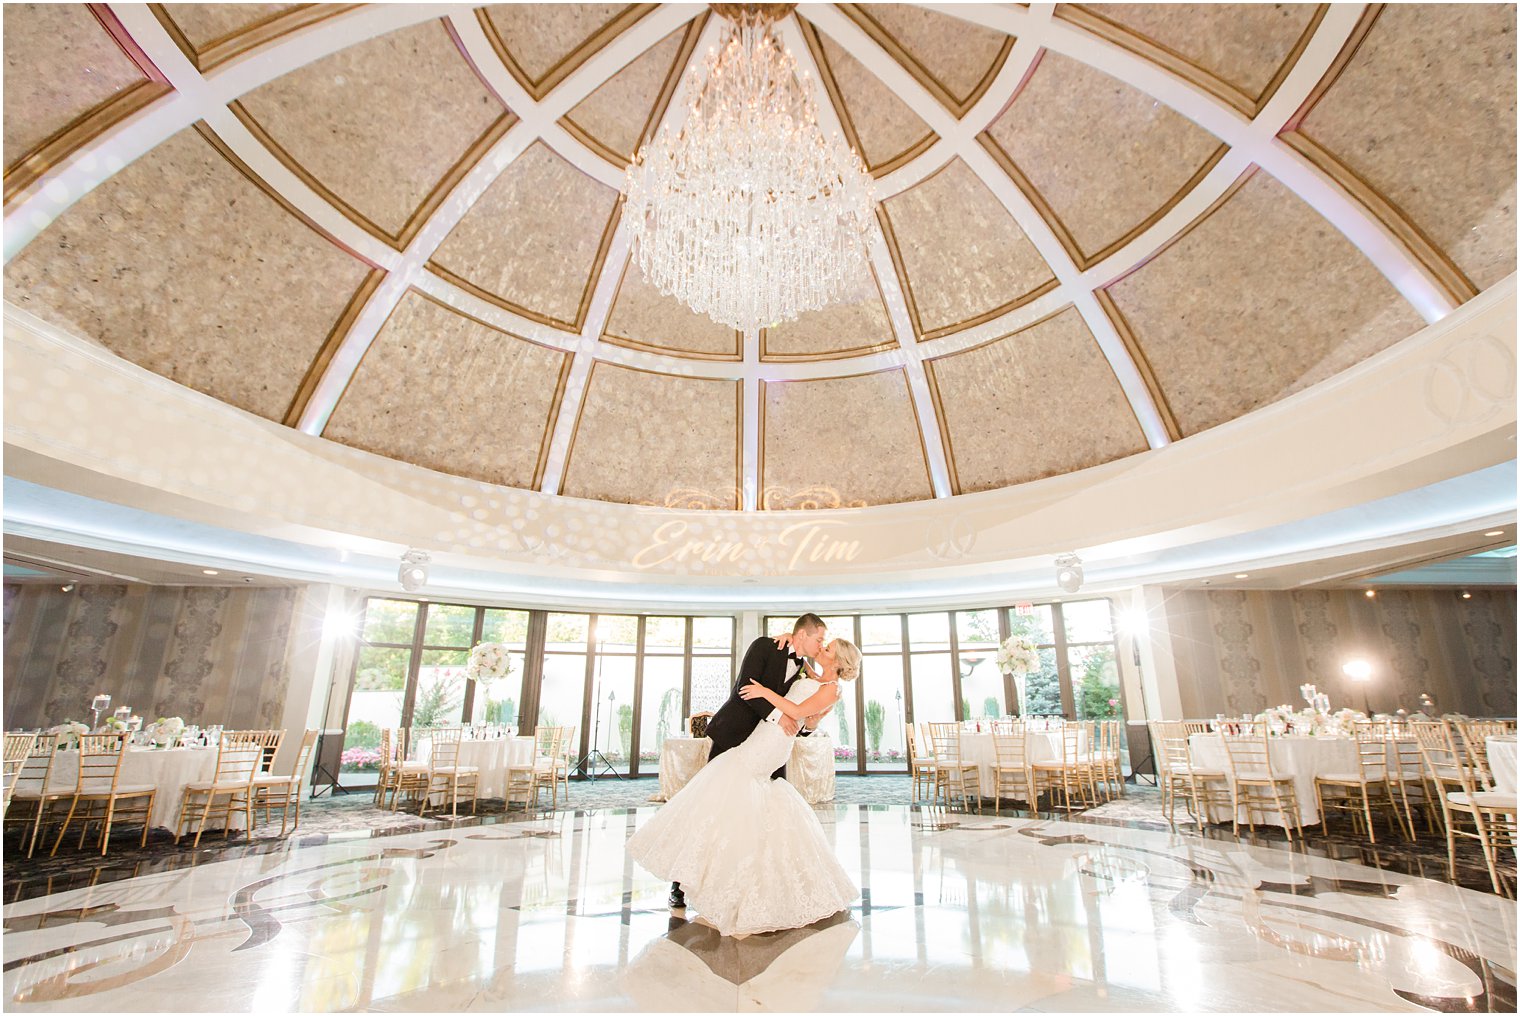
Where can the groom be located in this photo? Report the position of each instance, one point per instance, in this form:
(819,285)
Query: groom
(774,667)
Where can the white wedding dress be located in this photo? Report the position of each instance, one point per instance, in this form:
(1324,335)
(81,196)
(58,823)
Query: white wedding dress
(748,850)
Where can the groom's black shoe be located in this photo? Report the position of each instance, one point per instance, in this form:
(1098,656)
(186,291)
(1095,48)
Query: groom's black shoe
(677,897)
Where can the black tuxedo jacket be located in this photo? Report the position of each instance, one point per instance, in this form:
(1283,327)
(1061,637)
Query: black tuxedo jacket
(766,663)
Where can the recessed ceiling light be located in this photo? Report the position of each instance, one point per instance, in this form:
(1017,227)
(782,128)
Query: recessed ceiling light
(1371,593)
(1494,532)
(209,571)
(1467,596)
(1242,575)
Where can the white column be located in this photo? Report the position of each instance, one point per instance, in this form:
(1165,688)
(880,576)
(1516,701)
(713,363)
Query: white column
(319,661)
(1158,662)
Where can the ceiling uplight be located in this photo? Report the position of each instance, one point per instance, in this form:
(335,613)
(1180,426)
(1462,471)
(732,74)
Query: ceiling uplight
(1466,595)
(1241,575)
(1371,594)
(1494,532)
(209,571)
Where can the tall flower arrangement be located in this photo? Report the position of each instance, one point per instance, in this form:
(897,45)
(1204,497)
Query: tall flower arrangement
(489,662)
(1019,657)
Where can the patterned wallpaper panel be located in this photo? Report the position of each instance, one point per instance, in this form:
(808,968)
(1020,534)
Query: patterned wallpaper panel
(1238,651)
(208,654)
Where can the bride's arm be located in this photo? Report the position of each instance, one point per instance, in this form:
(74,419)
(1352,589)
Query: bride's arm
(821,700)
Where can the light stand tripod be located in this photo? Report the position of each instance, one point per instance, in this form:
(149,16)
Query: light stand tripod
(596,734)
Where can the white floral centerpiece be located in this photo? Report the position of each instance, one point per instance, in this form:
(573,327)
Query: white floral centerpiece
(166,730)
(489,662)
(69,732)
(115,725)
(1019,657)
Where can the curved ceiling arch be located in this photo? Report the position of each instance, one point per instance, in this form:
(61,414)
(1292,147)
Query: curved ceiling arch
(1250,141)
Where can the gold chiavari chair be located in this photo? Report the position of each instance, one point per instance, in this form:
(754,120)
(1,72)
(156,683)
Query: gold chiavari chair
(1255,787)
(446,776)
(565,761)
(1191,727)
(1012,774)
(268,742)
(100,790)
(549,743)
(412,778)
(1414,788)
(32,795)
(1072,769)
(17,748)
(284,792)
(1469,811)
(1356,791)
(920,766)
(230,787)
(1107,761)
(953,774)
(1202,790)
(1472,739)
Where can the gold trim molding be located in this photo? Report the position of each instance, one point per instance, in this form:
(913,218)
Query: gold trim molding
(1094,21)
(330,346)
(959,105)
(836,354)
(235,43)
(566,65)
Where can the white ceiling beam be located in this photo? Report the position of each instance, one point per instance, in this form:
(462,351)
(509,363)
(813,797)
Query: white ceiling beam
(960,137)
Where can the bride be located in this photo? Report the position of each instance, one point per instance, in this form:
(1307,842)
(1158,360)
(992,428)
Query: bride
(748,850)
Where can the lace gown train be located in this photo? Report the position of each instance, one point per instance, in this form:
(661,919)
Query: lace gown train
(748,851)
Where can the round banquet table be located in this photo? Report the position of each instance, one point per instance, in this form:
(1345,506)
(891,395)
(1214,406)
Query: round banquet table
(1501,762)
(1297,756)
(492,756)
(810,769)
(167,769)
(1040,746)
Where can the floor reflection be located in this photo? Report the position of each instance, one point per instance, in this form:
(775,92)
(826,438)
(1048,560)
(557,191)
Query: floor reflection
(981,912)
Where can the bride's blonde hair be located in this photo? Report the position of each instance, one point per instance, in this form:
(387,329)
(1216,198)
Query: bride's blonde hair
(846,660)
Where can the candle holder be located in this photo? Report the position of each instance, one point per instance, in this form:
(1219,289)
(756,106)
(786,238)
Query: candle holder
(99,705)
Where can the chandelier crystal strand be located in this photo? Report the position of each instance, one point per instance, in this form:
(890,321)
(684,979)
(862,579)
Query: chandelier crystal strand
(750,215)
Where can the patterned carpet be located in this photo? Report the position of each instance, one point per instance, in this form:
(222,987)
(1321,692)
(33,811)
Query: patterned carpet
(354,815)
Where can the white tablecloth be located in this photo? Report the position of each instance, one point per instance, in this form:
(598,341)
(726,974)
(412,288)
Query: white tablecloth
(1294,755)
(168,770)
(492,757)
(810,769)
(1501,762)
(1040,746)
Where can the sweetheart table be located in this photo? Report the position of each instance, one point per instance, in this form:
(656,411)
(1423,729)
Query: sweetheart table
(810,769)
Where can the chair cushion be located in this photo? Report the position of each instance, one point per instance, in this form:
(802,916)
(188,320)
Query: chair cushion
(412,767)
(1355,778)
(457,770)
(1484,799)
(220,788)
(270,779)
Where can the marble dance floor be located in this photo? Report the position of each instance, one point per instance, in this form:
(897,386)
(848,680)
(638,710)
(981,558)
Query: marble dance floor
(957,913)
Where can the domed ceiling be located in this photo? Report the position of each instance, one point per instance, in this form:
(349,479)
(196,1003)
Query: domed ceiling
(1102,229)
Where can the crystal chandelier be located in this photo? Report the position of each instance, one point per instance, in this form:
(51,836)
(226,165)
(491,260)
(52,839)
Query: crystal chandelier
(750,215)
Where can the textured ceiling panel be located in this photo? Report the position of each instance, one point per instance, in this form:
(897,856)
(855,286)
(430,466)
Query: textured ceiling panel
(1104,156)
(1229,326)
(204,24)
(180,264)
(645,318)
(1425,114)
(856,325)
(955,59)
(339,119)
(616,117)
(965,257)
(534,238)
(418,393)
(1242,44)
(841,442)
(884,126)
(544,42)
(1003,424)
(59,64)
(656,439)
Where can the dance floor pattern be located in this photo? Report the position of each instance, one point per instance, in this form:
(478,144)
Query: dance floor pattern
(957,912)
